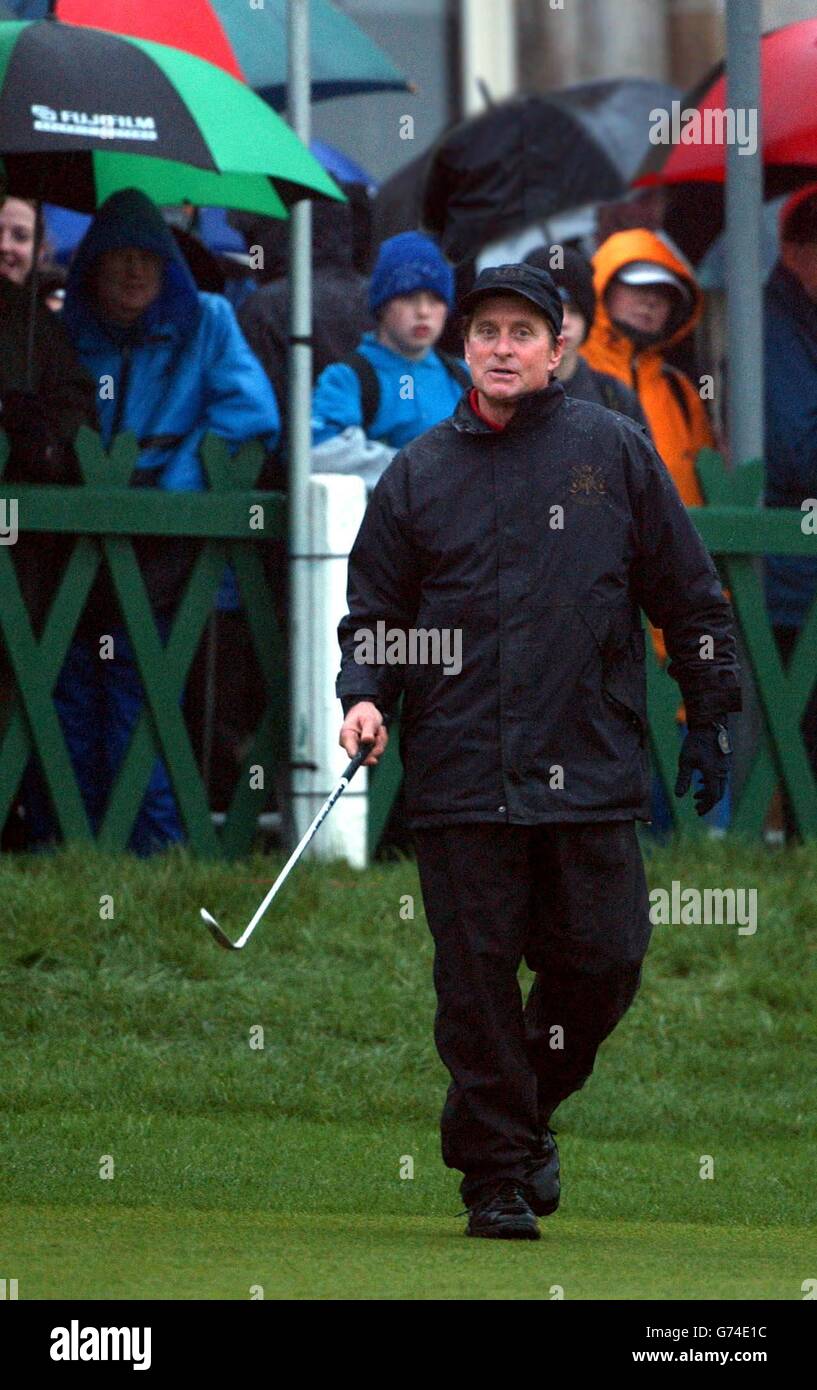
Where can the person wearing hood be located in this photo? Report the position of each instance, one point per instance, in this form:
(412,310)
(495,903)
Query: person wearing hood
(574,278)
(647,299)
(172,364)
(395,385)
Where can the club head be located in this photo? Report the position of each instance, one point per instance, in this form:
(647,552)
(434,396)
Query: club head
(216,931)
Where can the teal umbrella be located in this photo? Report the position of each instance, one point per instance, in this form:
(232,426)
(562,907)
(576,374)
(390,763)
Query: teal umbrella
(343,60)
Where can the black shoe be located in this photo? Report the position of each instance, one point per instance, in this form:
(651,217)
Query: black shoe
(503,1213)
(542,1186)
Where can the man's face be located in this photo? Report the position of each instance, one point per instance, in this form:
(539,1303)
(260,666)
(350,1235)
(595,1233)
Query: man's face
(644,307)
(412,323)
(17,221)
(127,283)
(801,260)
(509,348)
(574,327)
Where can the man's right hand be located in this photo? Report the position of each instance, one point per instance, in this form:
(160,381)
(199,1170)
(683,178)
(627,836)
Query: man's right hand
(364,721)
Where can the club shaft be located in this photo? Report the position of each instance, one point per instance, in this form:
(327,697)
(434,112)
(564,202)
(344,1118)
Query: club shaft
(299,849)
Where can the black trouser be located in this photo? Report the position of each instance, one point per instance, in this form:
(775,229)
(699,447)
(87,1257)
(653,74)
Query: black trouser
(786,639)
(572,901)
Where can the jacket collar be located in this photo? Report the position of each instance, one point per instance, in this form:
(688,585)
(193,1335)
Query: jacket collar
(532,410)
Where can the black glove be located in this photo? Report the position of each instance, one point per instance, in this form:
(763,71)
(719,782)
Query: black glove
(706,749)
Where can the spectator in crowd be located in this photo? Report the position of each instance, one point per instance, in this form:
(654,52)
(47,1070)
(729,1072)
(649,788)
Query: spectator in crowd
(648,298)
(43,401)
(340,311)
(176,366)
(790,349)
(42,405)
(574,278)
(21,226)
(395,386)
(18,231)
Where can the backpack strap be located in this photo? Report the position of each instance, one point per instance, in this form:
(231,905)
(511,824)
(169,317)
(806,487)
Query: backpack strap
(454,368)
(369,386)
(676,386)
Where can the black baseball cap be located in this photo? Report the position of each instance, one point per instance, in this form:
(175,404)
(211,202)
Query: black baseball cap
(528,280)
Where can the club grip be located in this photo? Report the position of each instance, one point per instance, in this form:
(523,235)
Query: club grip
(363,752)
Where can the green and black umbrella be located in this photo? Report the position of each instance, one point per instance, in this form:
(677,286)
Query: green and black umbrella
(84,112)
(248,40)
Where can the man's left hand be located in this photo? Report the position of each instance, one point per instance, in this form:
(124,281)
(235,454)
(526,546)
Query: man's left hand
(706,750)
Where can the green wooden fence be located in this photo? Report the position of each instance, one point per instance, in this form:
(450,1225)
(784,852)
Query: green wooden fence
(107,512)
(737,532)
(104,515)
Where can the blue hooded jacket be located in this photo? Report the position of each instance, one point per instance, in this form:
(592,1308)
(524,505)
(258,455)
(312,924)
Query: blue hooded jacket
(790,342)
(401,417)
(183,369)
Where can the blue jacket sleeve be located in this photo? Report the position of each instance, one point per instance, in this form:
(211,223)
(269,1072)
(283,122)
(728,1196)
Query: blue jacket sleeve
(238,400)
(336,402)
(241,402)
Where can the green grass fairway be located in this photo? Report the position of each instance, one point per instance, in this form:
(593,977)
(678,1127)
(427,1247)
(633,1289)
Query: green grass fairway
(182,1123)
(149,1252)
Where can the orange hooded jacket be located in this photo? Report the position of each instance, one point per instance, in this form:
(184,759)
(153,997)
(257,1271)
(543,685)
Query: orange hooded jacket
(678,434)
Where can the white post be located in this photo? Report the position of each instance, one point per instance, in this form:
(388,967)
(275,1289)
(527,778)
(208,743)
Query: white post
(302,752)
(488,46)
(335,511)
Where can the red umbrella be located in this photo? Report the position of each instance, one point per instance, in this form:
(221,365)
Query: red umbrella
(699,126)
(191,26)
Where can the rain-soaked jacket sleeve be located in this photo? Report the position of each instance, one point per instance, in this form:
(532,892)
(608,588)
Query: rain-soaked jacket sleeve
(383,594)
(336,402)
(675,582)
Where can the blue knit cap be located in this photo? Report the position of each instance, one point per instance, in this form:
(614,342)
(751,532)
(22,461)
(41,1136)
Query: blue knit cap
(409,262)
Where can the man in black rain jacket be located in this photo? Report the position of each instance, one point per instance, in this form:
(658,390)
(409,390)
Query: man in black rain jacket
(537,528)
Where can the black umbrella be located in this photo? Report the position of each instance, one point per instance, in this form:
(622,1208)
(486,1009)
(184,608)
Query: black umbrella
(532,156)
(398,204)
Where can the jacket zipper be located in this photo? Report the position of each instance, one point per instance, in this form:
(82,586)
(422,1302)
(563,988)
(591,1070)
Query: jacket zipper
(122,392)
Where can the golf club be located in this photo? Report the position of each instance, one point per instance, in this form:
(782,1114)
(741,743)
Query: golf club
(220,936)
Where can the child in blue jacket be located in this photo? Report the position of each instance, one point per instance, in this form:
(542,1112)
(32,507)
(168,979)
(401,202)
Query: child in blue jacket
(395,386)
